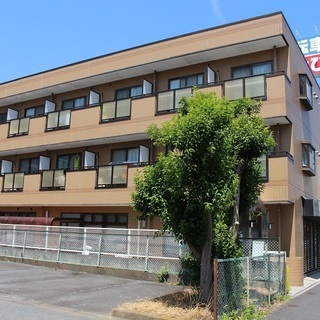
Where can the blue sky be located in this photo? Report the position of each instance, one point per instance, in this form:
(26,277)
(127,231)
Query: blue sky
(38,35)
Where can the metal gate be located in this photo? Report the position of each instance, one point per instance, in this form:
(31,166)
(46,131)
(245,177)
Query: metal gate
(311,234)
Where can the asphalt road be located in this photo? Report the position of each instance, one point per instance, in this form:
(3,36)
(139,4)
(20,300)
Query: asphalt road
(33,292)
(305,306)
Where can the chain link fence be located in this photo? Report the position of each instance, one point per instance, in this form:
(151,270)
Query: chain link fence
(259,246)
(242,280)
(131,249)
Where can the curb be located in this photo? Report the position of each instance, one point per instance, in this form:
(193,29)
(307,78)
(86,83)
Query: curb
(132,315)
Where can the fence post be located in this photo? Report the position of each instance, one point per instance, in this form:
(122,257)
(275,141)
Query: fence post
(59,247)
(147,254)
(47,234)
(269,279)
(248,281)
(24,244)
(215,289)
(14,235)
(99,251)
(129,243)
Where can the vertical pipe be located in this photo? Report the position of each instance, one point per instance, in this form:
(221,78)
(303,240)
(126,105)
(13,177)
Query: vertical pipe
(215,289)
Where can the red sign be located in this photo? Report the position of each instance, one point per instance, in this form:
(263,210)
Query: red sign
(314,63)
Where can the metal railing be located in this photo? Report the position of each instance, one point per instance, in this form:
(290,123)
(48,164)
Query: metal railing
(132,249)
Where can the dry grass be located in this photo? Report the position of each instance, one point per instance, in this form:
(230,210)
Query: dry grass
(182,305)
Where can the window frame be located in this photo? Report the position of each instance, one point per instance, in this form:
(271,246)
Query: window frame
(73,101)
(71,159)
(305,91)
(250,68)
(3,117)
(185,78)
(80,219)
(35,114)
(130,93)
(29,165)
(308,158)
(127,151)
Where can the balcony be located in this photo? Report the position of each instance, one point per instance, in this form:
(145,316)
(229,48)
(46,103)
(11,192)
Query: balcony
(53,179)
(168,101)
(19,127)
(13,182)
(253,87)
(116,110)
(112,176)
(58,120)
(80,187)
(278,189)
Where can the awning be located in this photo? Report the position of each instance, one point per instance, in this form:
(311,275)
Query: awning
(41,221)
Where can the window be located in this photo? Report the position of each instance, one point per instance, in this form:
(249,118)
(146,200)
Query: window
(130,155)
(69,161)
(29,165)
(17,214)
(76,103)
(129,92)
(188,81)
(252,70)
(34,111)
(305,91)
(308,159)
(3,117)
(104,220)
(264,167)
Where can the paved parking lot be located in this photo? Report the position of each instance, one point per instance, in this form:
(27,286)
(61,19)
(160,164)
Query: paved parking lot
(35,292)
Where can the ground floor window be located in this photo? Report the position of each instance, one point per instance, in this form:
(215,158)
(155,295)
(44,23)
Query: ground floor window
(98,220)
(17,214)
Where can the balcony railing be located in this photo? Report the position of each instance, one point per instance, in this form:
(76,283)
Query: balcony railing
(13,181)
(19,127)
(168,101)
(252,87)
(53,179)
(116,110)
(112,176)
(58,120)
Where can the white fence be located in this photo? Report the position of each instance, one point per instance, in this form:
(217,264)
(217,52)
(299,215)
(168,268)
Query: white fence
(132,249)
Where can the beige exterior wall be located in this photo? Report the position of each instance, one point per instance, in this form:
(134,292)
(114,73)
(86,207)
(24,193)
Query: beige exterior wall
(266,38)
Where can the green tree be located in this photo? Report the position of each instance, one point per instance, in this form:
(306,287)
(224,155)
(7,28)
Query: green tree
(211,175)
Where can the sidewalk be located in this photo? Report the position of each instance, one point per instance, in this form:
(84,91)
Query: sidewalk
(309,281)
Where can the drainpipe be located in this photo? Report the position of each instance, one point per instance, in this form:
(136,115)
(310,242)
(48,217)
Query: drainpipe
(275,67)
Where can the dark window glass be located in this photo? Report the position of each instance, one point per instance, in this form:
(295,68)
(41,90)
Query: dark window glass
(129,155)
(35,111)
(76,103)
(129,92)
(252,70)
(69,161)
(188,81)
(29,165)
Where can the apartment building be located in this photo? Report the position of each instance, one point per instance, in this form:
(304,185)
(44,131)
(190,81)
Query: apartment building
(72,138)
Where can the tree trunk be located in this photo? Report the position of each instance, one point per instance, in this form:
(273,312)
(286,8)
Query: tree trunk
(236,210)
(206,266)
